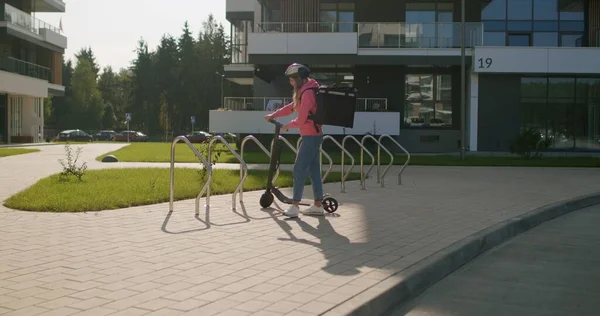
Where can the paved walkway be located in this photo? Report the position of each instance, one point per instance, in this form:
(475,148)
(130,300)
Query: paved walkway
(553,269)
(145,261)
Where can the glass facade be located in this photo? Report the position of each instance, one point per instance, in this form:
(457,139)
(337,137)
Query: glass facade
(428,100)
(337,17)
(548,23)
(429,24)
(239,41)
(565,110)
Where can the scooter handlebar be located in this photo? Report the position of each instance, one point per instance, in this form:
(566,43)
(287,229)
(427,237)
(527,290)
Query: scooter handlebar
(276,123)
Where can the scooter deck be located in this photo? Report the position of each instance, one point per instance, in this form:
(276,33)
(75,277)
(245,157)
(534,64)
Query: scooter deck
(284,199)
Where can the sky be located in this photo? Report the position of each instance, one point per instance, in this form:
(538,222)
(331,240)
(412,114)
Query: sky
(112,28)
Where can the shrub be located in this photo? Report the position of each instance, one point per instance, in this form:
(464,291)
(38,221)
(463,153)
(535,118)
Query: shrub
(529,144)
(70,165)
(216,154)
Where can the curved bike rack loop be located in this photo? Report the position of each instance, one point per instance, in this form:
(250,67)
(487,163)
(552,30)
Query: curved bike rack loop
(238,157)
(362,150)
(205,188)
(388,167)
(379,146)
(323,153)
(287,142)
(344,151)
(244,174)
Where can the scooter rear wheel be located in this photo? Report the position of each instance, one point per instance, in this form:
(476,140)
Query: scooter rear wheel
(330,205)
(266,200)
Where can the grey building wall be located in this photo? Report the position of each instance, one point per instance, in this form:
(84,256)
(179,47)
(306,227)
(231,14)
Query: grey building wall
(499,111)
(278,87)
(428,140)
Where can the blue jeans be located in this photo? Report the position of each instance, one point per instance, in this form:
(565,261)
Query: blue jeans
(308,165)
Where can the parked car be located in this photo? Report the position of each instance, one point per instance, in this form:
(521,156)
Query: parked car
(198,137)
(230,137)
(74,135)
(134,136)
(105,135)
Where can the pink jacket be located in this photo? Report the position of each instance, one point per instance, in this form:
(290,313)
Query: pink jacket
(308,104)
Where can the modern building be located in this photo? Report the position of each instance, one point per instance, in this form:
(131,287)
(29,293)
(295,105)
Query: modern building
(529,63)
(31,59)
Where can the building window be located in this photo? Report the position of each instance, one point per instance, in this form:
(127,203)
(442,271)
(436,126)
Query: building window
(548,23)
(38,107)
(565,110)
(337,17)
(519,40)
(342,78)
(15,105)
(428,100)
(239,41)
(429,24)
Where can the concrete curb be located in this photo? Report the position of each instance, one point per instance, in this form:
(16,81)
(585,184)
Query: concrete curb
(397,290)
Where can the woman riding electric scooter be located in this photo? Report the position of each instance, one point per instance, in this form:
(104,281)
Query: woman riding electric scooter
(307,160)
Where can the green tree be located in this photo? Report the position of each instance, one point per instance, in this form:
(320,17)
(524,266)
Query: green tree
(60,107)
(167,70)
(143,93)
(87,103)
(163,116)
(189,94)
(109,119)
(87,53)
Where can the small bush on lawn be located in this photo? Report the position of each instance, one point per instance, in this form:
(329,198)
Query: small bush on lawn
(120,188)
(5,152)
(70,167)
(529,144)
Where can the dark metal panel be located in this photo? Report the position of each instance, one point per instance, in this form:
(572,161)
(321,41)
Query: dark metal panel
(240,16)
(353,59)
(56,93)
(499,109)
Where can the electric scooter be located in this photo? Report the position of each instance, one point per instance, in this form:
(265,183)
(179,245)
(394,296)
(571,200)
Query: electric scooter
(329,204)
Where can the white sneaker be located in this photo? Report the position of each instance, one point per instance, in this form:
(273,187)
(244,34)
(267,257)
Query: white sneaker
(314,210)
(292,211)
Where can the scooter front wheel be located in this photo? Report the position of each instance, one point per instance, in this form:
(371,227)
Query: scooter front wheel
(330,205)
(266,200)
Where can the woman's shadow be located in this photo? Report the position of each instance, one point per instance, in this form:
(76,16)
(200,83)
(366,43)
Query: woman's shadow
(329,241)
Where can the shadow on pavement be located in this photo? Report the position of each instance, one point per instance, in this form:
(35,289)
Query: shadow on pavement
(329,241)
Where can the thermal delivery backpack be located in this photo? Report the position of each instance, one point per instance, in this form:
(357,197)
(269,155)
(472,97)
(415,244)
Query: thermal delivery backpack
(335,106)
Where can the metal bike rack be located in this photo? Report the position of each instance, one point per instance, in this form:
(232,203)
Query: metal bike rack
(287,142)
(388,167)
(243,174)
(344,151)
(238,157)
(362,150)
(379,146)
(323,153)
(205,188)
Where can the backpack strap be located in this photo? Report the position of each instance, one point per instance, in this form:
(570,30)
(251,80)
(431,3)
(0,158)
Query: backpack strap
(311,115)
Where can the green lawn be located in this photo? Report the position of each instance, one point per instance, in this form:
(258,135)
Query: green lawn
(119,188)
(160,152)
(5,152)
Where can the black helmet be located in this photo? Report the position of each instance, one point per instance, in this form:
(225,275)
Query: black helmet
(297,70)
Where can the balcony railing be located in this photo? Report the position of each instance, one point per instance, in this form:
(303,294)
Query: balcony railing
(308,27)
(274,103)
(23,20)
(418,35)
(24,68)
(390,35)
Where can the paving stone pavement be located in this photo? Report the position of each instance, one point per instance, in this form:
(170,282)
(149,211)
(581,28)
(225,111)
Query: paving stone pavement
(550,270)
(145,261)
